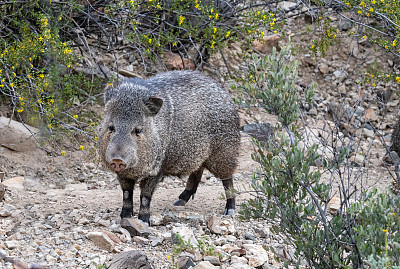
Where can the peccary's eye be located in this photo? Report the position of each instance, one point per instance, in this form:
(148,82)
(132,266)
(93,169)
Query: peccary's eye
(138,131)
(111,128)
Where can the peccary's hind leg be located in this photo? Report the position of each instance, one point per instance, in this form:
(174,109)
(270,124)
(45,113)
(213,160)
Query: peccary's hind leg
(147,187)
(191,187)
(230,196)
(127,186)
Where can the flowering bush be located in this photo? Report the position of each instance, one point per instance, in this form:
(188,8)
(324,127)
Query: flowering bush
(376,21)
(36,71)
(154,26)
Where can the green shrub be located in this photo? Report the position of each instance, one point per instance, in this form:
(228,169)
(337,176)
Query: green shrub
(288,186)
(36,71)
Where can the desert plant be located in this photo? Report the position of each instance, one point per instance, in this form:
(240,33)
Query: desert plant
(203,246)
(289,185)
(37,76)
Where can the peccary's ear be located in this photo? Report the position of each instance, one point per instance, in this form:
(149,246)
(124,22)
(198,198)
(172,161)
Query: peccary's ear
(153,104)
(110,94)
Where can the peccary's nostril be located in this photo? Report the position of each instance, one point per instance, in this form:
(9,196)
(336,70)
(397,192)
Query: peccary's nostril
(117,165)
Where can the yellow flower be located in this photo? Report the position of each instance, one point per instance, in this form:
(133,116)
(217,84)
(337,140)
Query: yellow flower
(39,101)
(181,19)
(365,37)
(20,110)
(374,85)
(75,116)
(359,12)
(215,30)
(228,33)
(384,230)
(212,45)
(49,125)
(41,76)
(216,16)
(29,75)
(371,9)
(52,101)
(398,80)
(262,33)
(1,85)
(149,40)
(211,10)
(168,257)
(12,84)
(81,147)
(63,152)
(20,98)
(95,138)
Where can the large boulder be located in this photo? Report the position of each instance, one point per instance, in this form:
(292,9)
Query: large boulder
(17,136)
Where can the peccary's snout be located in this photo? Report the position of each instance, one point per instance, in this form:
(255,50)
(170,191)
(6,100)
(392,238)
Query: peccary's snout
(117,165)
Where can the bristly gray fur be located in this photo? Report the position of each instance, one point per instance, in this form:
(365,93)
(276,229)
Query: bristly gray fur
(172,124)
(396,138)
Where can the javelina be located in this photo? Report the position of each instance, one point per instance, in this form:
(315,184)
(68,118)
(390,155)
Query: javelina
(396,138)
(173,124)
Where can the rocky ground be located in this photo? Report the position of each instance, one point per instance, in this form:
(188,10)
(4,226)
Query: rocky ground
(74,224)
(62,212)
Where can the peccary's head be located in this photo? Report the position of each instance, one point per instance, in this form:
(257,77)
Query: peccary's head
(128,135)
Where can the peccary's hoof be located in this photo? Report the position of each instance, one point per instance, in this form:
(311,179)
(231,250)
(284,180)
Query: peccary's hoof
(126,213)
(179,202)
(229,212)
(145,218)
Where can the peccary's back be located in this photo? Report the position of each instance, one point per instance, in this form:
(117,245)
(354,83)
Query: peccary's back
(203,122)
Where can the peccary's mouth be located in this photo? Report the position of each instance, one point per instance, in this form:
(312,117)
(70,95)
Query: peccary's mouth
(117,165)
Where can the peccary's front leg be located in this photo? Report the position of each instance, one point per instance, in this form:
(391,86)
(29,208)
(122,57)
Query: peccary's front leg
(147,187)
(127,186)
(230,196)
